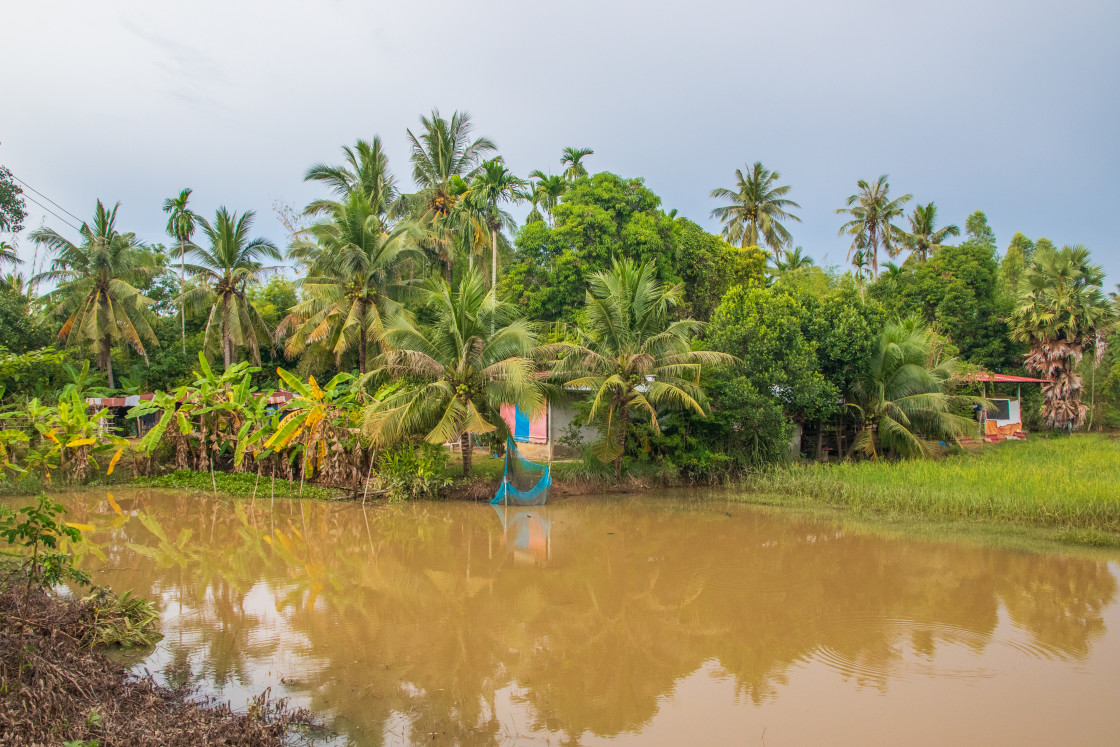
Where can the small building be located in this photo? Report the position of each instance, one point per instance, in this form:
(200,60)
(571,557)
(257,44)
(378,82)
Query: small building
(539,438)
(1006,421)
(121,405)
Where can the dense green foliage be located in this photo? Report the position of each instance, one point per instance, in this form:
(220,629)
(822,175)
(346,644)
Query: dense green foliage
(426,308)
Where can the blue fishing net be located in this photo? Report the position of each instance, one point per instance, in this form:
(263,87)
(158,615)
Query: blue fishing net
(524,483)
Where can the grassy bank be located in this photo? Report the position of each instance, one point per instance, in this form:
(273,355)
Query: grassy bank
(1069,483)
(241,484)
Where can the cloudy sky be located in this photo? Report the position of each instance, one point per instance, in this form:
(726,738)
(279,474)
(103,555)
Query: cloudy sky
(1009,107)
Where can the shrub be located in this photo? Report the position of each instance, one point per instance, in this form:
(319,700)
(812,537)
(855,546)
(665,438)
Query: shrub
(413,469)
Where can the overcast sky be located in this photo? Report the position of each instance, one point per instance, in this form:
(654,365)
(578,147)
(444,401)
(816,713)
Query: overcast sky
(1009,107)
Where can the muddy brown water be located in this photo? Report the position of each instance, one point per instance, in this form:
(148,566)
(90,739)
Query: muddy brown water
(657,620)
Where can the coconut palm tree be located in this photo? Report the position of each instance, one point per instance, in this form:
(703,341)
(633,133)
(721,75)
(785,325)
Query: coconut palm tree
(758,207)
(630,355)
(365,169)
(224,270)
(444,159)
(872,214)
(8,254)
(548,190)
(794,260)
(475,356)
(1060,308)
(493,186)
(181,225)
(923,239)
(903,397)
(572,160)
(352,268)
(95,292)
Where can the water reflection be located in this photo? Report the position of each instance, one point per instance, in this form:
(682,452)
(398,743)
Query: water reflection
(419,620)
(526,534)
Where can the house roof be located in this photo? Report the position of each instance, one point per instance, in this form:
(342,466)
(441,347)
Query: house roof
(1003,378)
(279,397)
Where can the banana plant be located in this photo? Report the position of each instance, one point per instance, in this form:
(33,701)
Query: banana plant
(322,421)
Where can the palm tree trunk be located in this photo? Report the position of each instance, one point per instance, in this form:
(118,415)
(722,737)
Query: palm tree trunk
(107,353)
(362,347)
(183,301)
(465,450)
(493,258)
(621,447)
(227,352)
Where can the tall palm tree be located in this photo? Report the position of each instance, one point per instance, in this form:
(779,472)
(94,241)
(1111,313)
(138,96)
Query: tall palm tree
(758,207)
(548,189)
(365,169)
(872,214)
(493,186)
(922,238)
(444,159)
(630,355)
(475,356)
(181,225)
(1060,308)
(224,270)
(903,397)
(572,160)
(95,292)
(352,266)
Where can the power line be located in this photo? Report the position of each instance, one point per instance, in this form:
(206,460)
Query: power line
(53,213)
(21,181)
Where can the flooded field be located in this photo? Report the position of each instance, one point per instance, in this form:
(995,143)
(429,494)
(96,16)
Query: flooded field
(653,619)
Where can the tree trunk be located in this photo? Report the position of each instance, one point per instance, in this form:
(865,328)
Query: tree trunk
(465,450)
(493,259)
(227,352)
(839,437)
(107,352)
(183,301)
(362,340)
(820,439)
(621,446)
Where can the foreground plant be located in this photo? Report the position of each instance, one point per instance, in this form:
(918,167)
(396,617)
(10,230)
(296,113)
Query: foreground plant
(36,531)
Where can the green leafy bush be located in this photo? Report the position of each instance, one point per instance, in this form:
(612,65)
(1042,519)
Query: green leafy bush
(413,469)
(34,532)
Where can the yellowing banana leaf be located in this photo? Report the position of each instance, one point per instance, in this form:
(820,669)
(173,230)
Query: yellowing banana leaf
(113,463)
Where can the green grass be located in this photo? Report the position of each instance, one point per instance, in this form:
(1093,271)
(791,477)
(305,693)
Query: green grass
(238,484)
(1071,483)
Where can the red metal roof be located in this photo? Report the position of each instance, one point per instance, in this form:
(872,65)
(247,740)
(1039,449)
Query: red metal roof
(1005,378)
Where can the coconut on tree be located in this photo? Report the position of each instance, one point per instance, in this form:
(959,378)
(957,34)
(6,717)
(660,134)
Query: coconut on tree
(1060,308)
(352,282)
(445,158)
(95,292)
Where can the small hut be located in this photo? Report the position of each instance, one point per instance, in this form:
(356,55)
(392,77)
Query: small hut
(1006,421)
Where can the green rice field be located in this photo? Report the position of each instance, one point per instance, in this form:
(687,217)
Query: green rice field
(1071,482)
